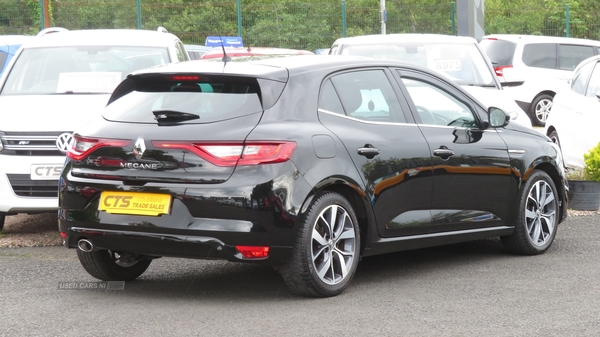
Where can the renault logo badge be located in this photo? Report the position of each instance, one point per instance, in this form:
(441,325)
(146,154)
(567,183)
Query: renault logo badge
(139,148)
(63,142)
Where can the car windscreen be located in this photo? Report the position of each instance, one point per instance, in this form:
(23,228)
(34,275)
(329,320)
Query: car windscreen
(77,70)
(188,102)
(462,62)
(3,57)
(500,52)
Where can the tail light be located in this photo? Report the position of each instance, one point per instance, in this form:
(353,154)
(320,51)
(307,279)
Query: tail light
(83,146)
(254,252)
(232,154)
(500,70)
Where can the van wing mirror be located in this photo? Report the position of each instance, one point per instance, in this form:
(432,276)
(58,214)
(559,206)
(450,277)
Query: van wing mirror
(512,83)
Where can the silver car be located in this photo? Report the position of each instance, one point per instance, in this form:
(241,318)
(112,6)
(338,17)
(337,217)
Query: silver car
(459,58)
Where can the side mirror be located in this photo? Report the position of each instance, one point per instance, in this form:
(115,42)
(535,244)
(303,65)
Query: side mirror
(512,84)
(497,117)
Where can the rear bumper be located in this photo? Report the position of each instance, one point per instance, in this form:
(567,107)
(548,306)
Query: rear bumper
(163,244)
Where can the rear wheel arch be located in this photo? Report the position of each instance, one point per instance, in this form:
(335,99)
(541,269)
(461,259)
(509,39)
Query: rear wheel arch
(353,196)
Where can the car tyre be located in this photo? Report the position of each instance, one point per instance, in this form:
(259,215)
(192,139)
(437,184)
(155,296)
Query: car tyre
(554,137)
(2,221)
(110,266)
(537,216)
(540,109)
(326,251)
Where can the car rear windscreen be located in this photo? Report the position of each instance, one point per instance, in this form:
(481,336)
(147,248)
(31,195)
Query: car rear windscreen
(208,99)
(499,52)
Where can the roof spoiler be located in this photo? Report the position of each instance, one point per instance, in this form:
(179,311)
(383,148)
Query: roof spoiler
(51,30)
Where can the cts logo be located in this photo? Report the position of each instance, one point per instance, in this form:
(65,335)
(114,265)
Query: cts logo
(45,172)
(48,171)
(117,201)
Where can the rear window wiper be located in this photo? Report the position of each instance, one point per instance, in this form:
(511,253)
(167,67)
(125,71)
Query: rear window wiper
(167,117)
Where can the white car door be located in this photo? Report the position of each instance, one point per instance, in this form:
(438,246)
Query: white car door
(579,120)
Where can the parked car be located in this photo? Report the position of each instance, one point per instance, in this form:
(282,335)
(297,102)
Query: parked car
(195,52)
(288,162)
(459,58)
(9,44)
(544,63)
(217,53)
(576,113)
(55,83)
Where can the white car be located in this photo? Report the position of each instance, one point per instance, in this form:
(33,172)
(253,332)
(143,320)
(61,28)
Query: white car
(459,58)
(54,84)
(573,123)
(544,63)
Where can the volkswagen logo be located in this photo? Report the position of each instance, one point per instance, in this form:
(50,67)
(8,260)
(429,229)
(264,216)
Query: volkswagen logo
(63,142)
(139,148)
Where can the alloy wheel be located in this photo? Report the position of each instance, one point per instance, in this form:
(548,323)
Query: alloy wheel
(542,110)
(333,244)
(540,213)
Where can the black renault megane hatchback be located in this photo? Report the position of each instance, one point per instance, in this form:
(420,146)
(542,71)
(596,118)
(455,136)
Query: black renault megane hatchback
(305,163)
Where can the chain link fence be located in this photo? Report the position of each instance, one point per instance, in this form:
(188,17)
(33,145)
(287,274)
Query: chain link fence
(300,25)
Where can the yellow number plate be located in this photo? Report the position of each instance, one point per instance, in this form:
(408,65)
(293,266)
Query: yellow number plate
(135,203)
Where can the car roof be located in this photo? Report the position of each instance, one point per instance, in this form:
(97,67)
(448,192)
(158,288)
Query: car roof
(540,39)
(279,68)
(379,38)
(197,47)
(14,39)
(253,51)
(103,37)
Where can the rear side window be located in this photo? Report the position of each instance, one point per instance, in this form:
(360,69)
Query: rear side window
(580,78)
(594,85)
(211,98)
(329,100)
(540,55)
(499,52)
(368,95)
(571,55)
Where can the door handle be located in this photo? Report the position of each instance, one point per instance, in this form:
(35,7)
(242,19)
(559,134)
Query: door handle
(368,151)
(443,152)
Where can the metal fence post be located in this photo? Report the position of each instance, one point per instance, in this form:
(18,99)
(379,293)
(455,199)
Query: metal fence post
(139,13)
(453,14)
(343,18)
(42,15)
(568,28)
(239,17)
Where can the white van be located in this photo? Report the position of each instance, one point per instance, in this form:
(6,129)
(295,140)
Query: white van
(54,84)
(544,63)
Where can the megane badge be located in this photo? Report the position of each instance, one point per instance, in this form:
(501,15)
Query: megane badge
(139,148)
(63,142)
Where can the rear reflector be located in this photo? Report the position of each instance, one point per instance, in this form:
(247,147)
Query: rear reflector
(254,252)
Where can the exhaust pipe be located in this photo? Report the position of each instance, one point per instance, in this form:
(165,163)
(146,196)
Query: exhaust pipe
(85,246)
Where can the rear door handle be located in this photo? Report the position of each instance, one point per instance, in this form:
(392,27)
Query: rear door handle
(368,151)
(443,152)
